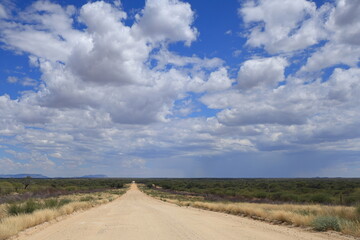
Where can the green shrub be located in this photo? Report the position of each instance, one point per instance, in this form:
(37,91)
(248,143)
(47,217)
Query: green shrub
(260,195)
(71,188)
(27,207)
(64,201)
(6,188)
(86,199)
(14,209)
(51,203)
(325,223)
(320,198)
(289,197)
(31,206)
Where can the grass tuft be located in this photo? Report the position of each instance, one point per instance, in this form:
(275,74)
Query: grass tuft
(324,223)
(87,199)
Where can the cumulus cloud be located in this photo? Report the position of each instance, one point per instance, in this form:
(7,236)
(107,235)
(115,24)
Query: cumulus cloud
(105,66)
(283,26)
(288,26)
(266,72)
(343,46)
(295,114)
(164,20)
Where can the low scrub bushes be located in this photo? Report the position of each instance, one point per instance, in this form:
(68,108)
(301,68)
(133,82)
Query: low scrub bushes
(27,207)
(315,190)
(31,205)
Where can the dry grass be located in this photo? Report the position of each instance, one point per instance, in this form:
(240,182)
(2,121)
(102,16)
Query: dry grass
(348,218)
(11,225)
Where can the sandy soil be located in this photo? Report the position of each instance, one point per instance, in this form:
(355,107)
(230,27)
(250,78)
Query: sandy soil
(138,216)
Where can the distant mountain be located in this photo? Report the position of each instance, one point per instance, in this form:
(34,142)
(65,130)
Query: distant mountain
(24,175)
(94,176)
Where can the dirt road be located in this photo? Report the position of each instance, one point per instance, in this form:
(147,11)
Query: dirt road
(138,216)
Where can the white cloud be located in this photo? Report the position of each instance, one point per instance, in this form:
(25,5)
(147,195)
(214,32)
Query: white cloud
(12,79)
(218,80)
(296,114)
(34,160)
(343,46)
(133,163)
(283,26)
(3,13)
(237,53)
(265,72)
(106,66)
(10,165)
(98,91)
(167,20)
(26,81)
(344,22)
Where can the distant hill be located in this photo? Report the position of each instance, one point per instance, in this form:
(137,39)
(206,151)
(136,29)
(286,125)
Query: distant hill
(94,176)
(24,175)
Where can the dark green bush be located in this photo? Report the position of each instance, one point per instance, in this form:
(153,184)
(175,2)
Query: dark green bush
(320,198)
(325,223)
(51,203)
(260,195)
(289,197)
(30,206)
(27,207)
(55,203)
(14,209)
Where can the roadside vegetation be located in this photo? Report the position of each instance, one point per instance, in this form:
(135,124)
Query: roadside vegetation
(332,191)
(309,213)
(25,209)
(25,188)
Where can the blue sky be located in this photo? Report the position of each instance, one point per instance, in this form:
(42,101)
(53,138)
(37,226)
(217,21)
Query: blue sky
(162,88)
